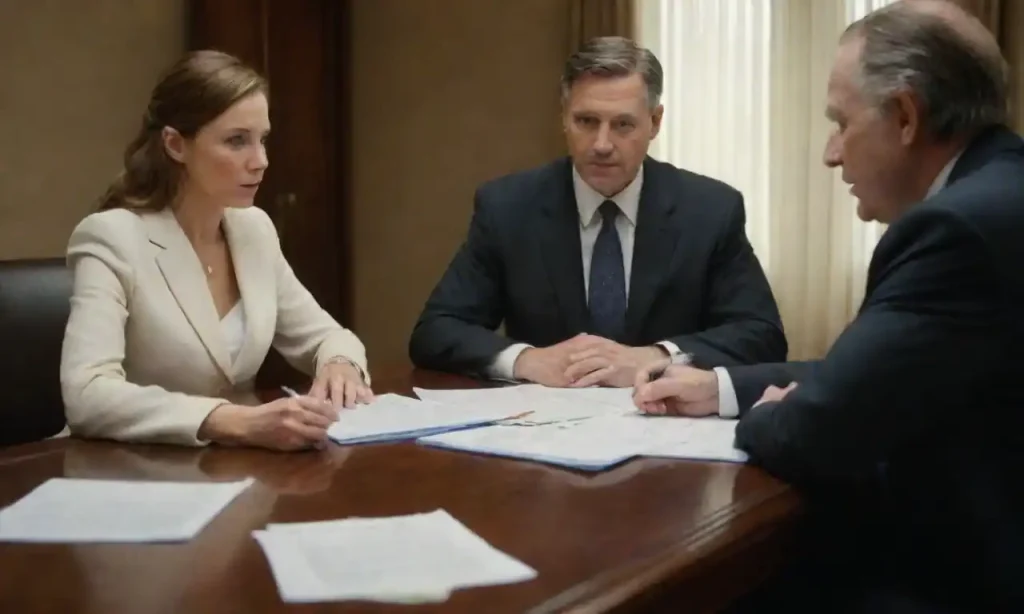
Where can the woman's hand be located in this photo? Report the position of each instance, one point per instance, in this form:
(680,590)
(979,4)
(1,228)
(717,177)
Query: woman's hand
(291,423)
(341,384)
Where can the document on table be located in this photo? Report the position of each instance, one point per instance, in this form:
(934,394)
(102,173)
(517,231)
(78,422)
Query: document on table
(392,417)
(711,439)
(599,443)
(86,510)
(545,405)
(590,445)
(419,558)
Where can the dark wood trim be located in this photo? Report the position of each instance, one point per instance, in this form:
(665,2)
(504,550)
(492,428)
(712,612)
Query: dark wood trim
(264,38)
(339,100)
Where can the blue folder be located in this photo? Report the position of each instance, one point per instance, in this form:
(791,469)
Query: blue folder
(540,458)
(396,436)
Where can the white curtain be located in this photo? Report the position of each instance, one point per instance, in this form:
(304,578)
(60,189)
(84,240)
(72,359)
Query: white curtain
(745,85)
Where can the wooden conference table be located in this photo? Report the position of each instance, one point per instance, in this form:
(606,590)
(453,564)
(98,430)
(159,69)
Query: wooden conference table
(649,535)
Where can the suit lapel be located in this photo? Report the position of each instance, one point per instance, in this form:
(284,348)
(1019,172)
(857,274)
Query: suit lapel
(254,272)
(184,275)
(560,245)
(653,247)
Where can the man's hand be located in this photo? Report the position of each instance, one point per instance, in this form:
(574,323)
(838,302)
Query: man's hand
(546,366)
(774,393)
(680,391)
(585,360)
(596,360)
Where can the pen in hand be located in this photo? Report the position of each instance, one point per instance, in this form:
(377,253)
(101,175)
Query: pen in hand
(296,395)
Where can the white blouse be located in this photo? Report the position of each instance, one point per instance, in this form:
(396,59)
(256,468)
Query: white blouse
(232,326)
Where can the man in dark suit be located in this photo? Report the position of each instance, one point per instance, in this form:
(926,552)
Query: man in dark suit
(908,437)
(603,261)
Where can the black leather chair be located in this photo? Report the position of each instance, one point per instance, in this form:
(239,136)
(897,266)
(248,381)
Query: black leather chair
(34,306)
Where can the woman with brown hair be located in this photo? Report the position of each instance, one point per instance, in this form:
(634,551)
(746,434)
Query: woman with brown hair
(181,287)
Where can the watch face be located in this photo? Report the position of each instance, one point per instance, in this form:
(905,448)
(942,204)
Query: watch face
(682,358)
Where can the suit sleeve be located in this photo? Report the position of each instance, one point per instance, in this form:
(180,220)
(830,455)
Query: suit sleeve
(740,387)
(742,324)
(456,331)
(906,366)
(306,335)
(99,402)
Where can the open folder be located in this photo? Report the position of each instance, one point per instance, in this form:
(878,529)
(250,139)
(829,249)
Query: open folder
(393,417)
(600,443)
(576,445)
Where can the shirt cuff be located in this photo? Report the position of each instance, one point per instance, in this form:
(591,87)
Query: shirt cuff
(504,365)
(671,348)
(728,405)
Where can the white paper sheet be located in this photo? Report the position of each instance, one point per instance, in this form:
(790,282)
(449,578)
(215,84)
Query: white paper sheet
(393,416)
(600,442)
(699,439)
(85,510)
(420,558)
(545,405)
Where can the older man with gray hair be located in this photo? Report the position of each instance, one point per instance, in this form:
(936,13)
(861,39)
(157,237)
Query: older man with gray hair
(908,437)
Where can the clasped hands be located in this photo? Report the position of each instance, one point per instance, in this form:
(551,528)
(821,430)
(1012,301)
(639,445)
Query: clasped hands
(291,423)
(583,361)
(686,391)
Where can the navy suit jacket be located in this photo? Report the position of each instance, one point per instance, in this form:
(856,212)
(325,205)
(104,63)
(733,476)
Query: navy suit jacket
(695,280)
(914,420)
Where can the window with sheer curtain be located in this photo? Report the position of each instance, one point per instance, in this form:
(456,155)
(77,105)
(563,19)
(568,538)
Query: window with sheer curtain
(745,85)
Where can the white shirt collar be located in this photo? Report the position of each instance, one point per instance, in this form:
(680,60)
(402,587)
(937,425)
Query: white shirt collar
(943,176)
(588,199)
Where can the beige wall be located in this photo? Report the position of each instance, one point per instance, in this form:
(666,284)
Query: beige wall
(448,93)
(76,76)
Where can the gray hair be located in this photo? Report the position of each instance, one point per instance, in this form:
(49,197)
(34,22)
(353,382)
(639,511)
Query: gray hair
(962,83)
(614,56)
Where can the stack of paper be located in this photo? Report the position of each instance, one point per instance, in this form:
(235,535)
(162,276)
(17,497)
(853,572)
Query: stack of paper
(534,404)
(80,510)
(600,443)
(419,558)
(393,417)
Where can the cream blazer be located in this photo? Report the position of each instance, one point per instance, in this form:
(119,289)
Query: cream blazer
(144,359)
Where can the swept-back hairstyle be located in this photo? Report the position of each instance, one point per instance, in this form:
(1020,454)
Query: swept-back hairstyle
(962,83)
(190,94)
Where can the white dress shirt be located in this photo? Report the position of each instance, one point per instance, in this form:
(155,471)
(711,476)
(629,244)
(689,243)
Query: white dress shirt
(588,200)
(728,405)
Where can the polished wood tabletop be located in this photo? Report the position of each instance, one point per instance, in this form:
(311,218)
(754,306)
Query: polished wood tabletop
(648,535)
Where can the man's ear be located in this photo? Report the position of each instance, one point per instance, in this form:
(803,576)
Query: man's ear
(908,116)
(174,143)
(656,116)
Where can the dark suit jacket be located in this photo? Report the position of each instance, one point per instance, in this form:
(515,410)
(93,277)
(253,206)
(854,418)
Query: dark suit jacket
(915,414)
(695,280)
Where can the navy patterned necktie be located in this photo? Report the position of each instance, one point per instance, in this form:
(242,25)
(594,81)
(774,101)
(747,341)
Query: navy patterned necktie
(607,289)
